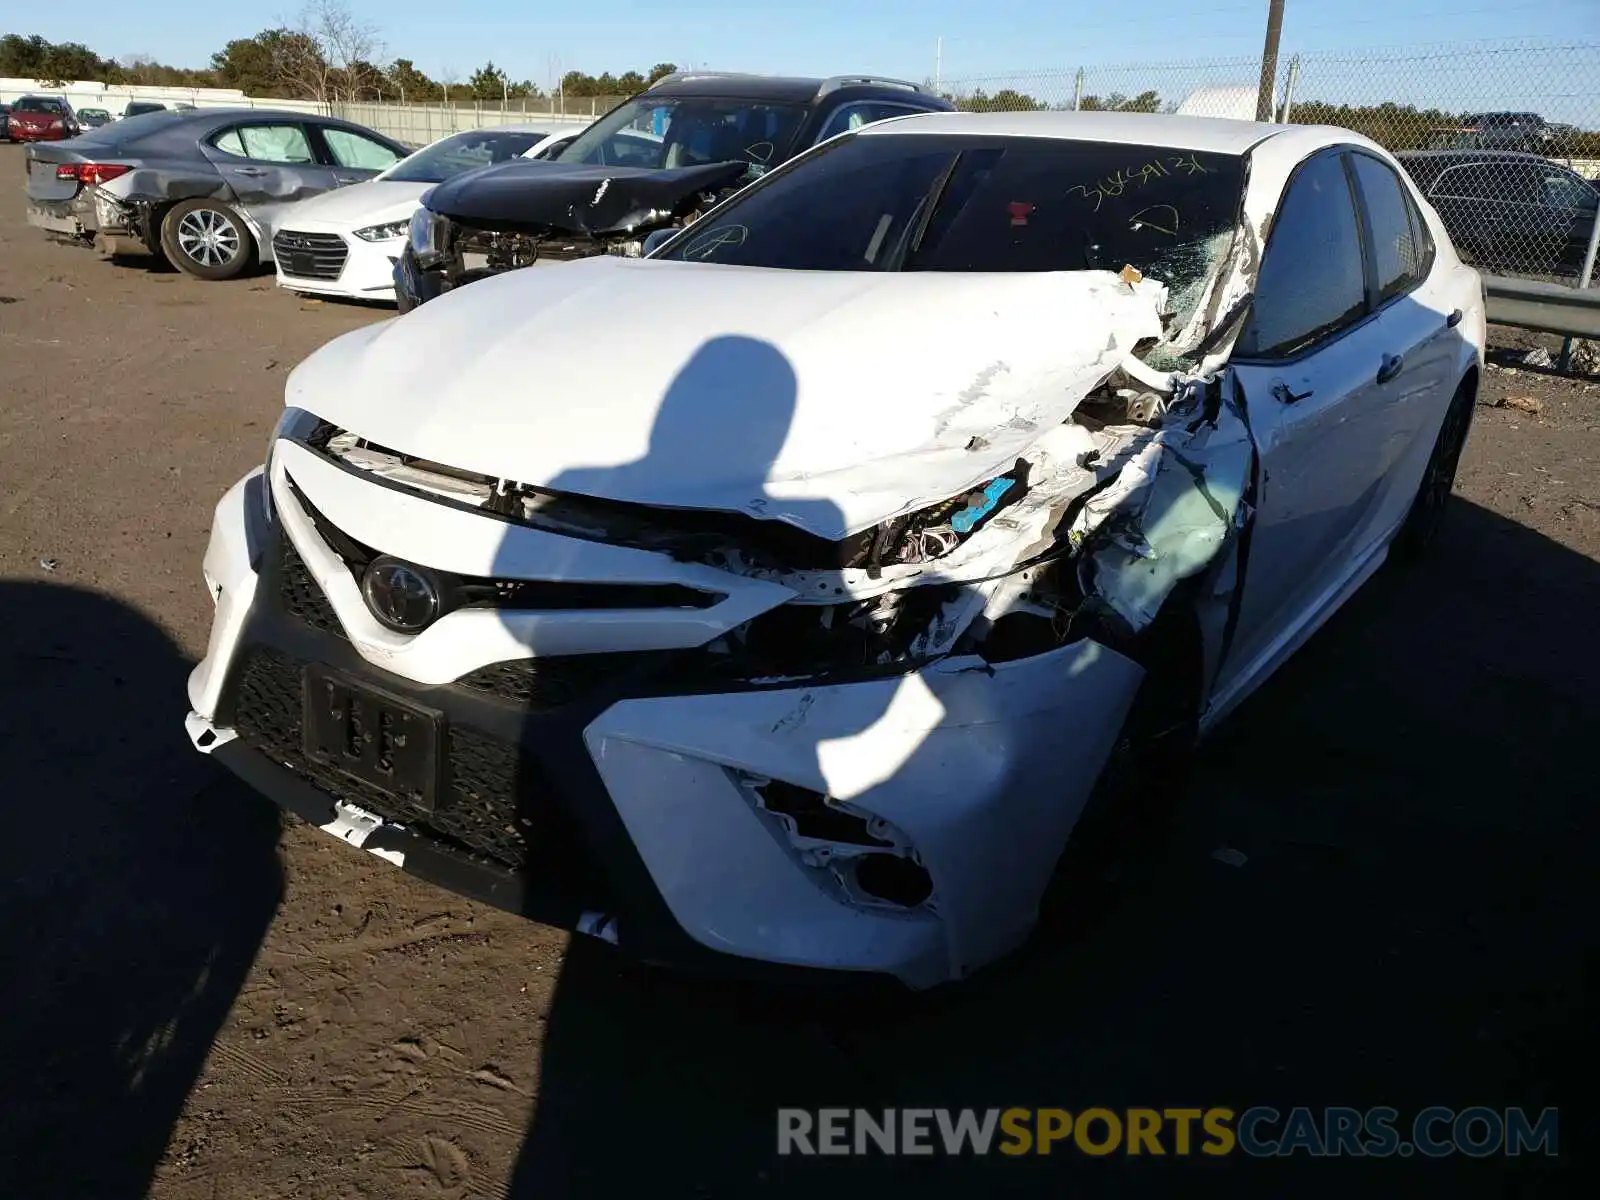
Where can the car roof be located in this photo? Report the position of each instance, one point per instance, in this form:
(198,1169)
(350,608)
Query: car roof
(543,129)
(1215,135)
(783,89)
(1506,156)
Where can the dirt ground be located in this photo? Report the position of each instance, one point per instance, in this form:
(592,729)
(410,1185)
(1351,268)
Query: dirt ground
(202,1000)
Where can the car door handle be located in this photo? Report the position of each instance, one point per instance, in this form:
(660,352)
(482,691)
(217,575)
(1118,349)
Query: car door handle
(1282,394)
(344,179)
(251,171)
(1453,319)
(1390,367)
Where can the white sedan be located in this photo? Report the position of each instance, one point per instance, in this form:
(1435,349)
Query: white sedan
(953,471)
(345,242)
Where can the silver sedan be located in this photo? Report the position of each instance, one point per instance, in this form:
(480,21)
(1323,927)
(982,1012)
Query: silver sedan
(203,188)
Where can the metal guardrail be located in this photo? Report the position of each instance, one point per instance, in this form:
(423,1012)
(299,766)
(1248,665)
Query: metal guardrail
(1546,307)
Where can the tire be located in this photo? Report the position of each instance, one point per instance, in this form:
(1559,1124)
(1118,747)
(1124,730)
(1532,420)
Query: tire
(1422,523)
(207,240)
(1148,771)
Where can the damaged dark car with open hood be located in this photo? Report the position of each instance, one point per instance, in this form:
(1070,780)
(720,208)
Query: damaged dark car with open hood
(651,164)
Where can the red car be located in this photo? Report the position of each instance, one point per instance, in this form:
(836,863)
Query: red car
(41,119)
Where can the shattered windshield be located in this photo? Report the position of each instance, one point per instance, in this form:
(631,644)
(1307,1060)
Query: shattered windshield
(463,152)
(916,202)
(664,132)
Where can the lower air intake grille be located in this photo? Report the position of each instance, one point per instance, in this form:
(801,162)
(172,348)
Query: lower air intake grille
(545,684)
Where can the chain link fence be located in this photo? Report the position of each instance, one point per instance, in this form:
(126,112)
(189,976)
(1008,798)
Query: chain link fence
(1503,138)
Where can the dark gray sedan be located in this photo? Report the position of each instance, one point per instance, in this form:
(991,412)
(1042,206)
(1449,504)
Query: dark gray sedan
(204,188)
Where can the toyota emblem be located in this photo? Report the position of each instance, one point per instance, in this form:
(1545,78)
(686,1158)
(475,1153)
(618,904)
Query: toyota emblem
(403,598)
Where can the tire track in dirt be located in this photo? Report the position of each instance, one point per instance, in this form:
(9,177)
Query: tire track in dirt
(479,1118)
(252,1066)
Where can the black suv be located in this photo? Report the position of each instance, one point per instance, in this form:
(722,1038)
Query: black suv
(651,163)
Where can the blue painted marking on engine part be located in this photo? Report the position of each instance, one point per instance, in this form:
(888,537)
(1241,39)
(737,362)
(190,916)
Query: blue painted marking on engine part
(967,518)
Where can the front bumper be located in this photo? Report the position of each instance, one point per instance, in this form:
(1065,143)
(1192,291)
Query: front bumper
(413,285)
(367,274)
(21,133)
(633,805)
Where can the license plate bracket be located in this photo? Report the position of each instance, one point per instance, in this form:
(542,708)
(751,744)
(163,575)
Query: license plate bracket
(373,736)
(300,263)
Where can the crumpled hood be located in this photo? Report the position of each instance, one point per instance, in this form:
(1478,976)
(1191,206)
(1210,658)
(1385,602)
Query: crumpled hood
(576,199)
(831,400)
(376,202)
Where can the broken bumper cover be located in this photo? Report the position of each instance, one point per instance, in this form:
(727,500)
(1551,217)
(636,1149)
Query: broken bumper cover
(413,285)
(73,219)
(652,839)
(94,215)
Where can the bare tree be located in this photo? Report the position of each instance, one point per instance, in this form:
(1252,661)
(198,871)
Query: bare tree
(322,55)
(448,78)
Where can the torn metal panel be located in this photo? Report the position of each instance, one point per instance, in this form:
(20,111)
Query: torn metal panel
(1169,513)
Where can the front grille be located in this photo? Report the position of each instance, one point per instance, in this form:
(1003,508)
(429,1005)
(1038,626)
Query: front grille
(310,255)
(493,803)
(545,684)
(300,594)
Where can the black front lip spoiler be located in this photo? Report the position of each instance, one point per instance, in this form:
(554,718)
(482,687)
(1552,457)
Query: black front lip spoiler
(506,890)
(423,858)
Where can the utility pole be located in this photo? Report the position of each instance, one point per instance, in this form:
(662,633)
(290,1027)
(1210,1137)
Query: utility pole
(1269,61)
(938,65)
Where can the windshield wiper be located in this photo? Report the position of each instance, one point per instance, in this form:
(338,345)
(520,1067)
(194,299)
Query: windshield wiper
(930,205)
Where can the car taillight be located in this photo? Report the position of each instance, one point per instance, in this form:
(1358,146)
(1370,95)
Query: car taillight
(91,173)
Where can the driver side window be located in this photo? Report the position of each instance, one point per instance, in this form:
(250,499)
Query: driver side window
(1312,284)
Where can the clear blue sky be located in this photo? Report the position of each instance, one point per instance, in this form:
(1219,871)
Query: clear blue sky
(1015,38)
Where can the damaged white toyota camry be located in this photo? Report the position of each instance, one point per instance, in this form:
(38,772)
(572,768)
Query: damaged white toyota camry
(780,599)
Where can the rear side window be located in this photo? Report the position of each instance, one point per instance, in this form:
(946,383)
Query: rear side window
(266,143)
(1562,190)
(1396,254)
(1312,283)
(1470,181)
(352,150)
(864,112)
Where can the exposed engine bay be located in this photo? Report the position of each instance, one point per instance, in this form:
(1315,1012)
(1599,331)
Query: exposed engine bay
(1089,531)
(521,214)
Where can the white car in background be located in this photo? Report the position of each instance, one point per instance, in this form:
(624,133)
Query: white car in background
(345,242)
